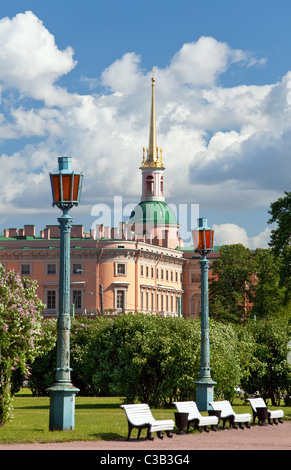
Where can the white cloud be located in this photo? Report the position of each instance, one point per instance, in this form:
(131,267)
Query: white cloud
(30,60)
(201,62)
(227,148)
(229,234)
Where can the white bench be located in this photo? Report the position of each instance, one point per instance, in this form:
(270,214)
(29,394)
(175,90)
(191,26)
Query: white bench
(195,417)
(227,414)
(140,416)
(272,414)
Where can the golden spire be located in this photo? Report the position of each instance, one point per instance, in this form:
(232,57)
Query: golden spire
(152,159)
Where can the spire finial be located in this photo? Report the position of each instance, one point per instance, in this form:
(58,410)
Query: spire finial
(152,155)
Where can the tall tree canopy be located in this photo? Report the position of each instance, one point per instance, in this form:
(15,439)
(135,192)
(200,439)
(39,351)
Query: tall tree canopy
(280,242)
(230,287)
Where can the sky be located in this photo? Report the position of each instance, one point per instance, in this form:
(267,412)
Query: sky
(75,79)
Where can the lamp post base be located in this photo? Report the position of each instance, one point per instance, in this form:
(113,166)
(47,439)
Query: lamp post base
(62,407)
(204,394)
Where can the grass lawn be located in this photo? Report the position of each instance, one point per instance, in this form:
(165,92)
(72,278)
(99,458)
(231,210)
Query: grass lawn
(96,418)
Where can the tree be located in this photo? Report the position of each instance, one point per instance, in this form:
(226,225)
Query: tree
(268,294)
(270,372)
(280,241)
(21,336)
(230,286)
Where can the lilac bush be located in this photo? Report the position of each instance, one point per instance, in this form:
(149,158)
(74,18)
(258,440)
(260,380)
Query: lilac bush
(21,332)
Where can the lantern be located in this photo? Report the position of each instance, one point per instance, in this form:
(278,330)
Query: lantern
(203,237)
(66,185)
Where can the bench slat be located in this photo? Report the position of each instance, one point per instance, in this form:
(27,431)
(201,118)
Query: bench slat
(140,416)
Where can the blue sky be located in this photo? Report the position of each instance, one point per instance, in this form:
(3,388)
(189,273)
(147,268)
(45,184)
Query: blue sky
(75,79)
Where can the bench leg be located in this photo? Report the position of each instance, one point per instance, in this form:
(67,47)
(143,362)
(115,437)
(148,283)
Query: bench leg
(168,433)
(160,435)
(129,431)
(149,435)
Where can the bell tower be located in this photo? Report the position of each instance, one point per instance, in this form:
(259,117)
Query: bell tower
(152,220)
(152,166)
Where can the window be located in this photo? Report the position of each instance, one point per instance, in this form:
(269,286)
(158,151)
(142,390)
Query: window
(167,275)
(157,273)
(141,270)
(51,299)
(120,299)
(172,278)
(196,304)
(77,299)
(77,269)
(51,269)
(162,274)
(149,185)
(195,277)
(25,269)
(147,271)
(152,269)
(120,268)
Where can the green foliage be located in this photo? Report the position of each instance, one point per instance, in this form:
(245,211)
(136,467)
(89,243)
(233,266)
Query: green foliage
(280,243)
(157,360)
(268,294)
(146,358)
(230,291)
(152,359)
(229,358)
(21,335)
(270,373)
(42,369)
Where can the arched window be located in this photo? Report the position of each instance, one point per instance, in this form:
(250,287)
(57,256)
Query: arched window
(196,305)
(150,185)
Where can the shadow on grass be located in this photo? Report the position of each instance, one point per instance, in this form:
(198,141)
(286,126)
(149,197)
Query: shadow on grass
(97,406)
(83,406)
(108,436)
(36,407)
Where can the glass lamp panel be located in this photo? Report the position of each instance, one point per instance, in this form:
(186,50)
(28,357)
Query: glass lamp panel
(56,188)
(67,187)
(76,185)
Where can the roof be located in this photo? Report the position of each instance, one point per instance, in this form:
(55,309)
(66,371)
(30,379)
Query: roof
(153,212)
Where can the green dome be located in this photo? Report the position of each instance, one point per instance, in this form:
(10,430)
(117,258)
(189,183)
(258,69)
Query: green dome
(153,212)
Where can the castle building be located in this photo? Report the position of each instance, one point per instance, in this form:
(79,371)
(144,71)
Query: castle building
(140,266)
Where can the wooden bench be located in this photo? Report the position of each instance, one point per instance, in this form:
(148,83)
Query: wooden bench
(140,416)
(272,414)
(195,417)
(227,414)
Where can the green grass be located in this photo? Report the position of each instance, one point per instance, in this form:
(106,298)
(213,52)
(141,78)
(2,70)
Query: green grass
(96,418)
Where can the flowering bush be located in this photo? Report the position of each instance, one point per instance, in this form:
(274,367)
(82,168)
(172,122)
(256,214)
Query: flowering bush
(21,336)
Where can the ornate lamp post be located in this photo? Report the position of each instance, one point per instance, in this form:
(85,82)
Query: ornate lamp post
(66,188)
(203,243)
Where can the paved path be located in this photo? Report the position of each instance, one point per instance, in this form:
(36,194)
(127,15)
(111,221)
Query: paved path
(276,437)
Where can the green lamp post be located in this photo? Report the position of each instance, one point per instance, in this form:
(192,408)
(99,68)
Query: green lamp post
(66,188)
(203,244)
